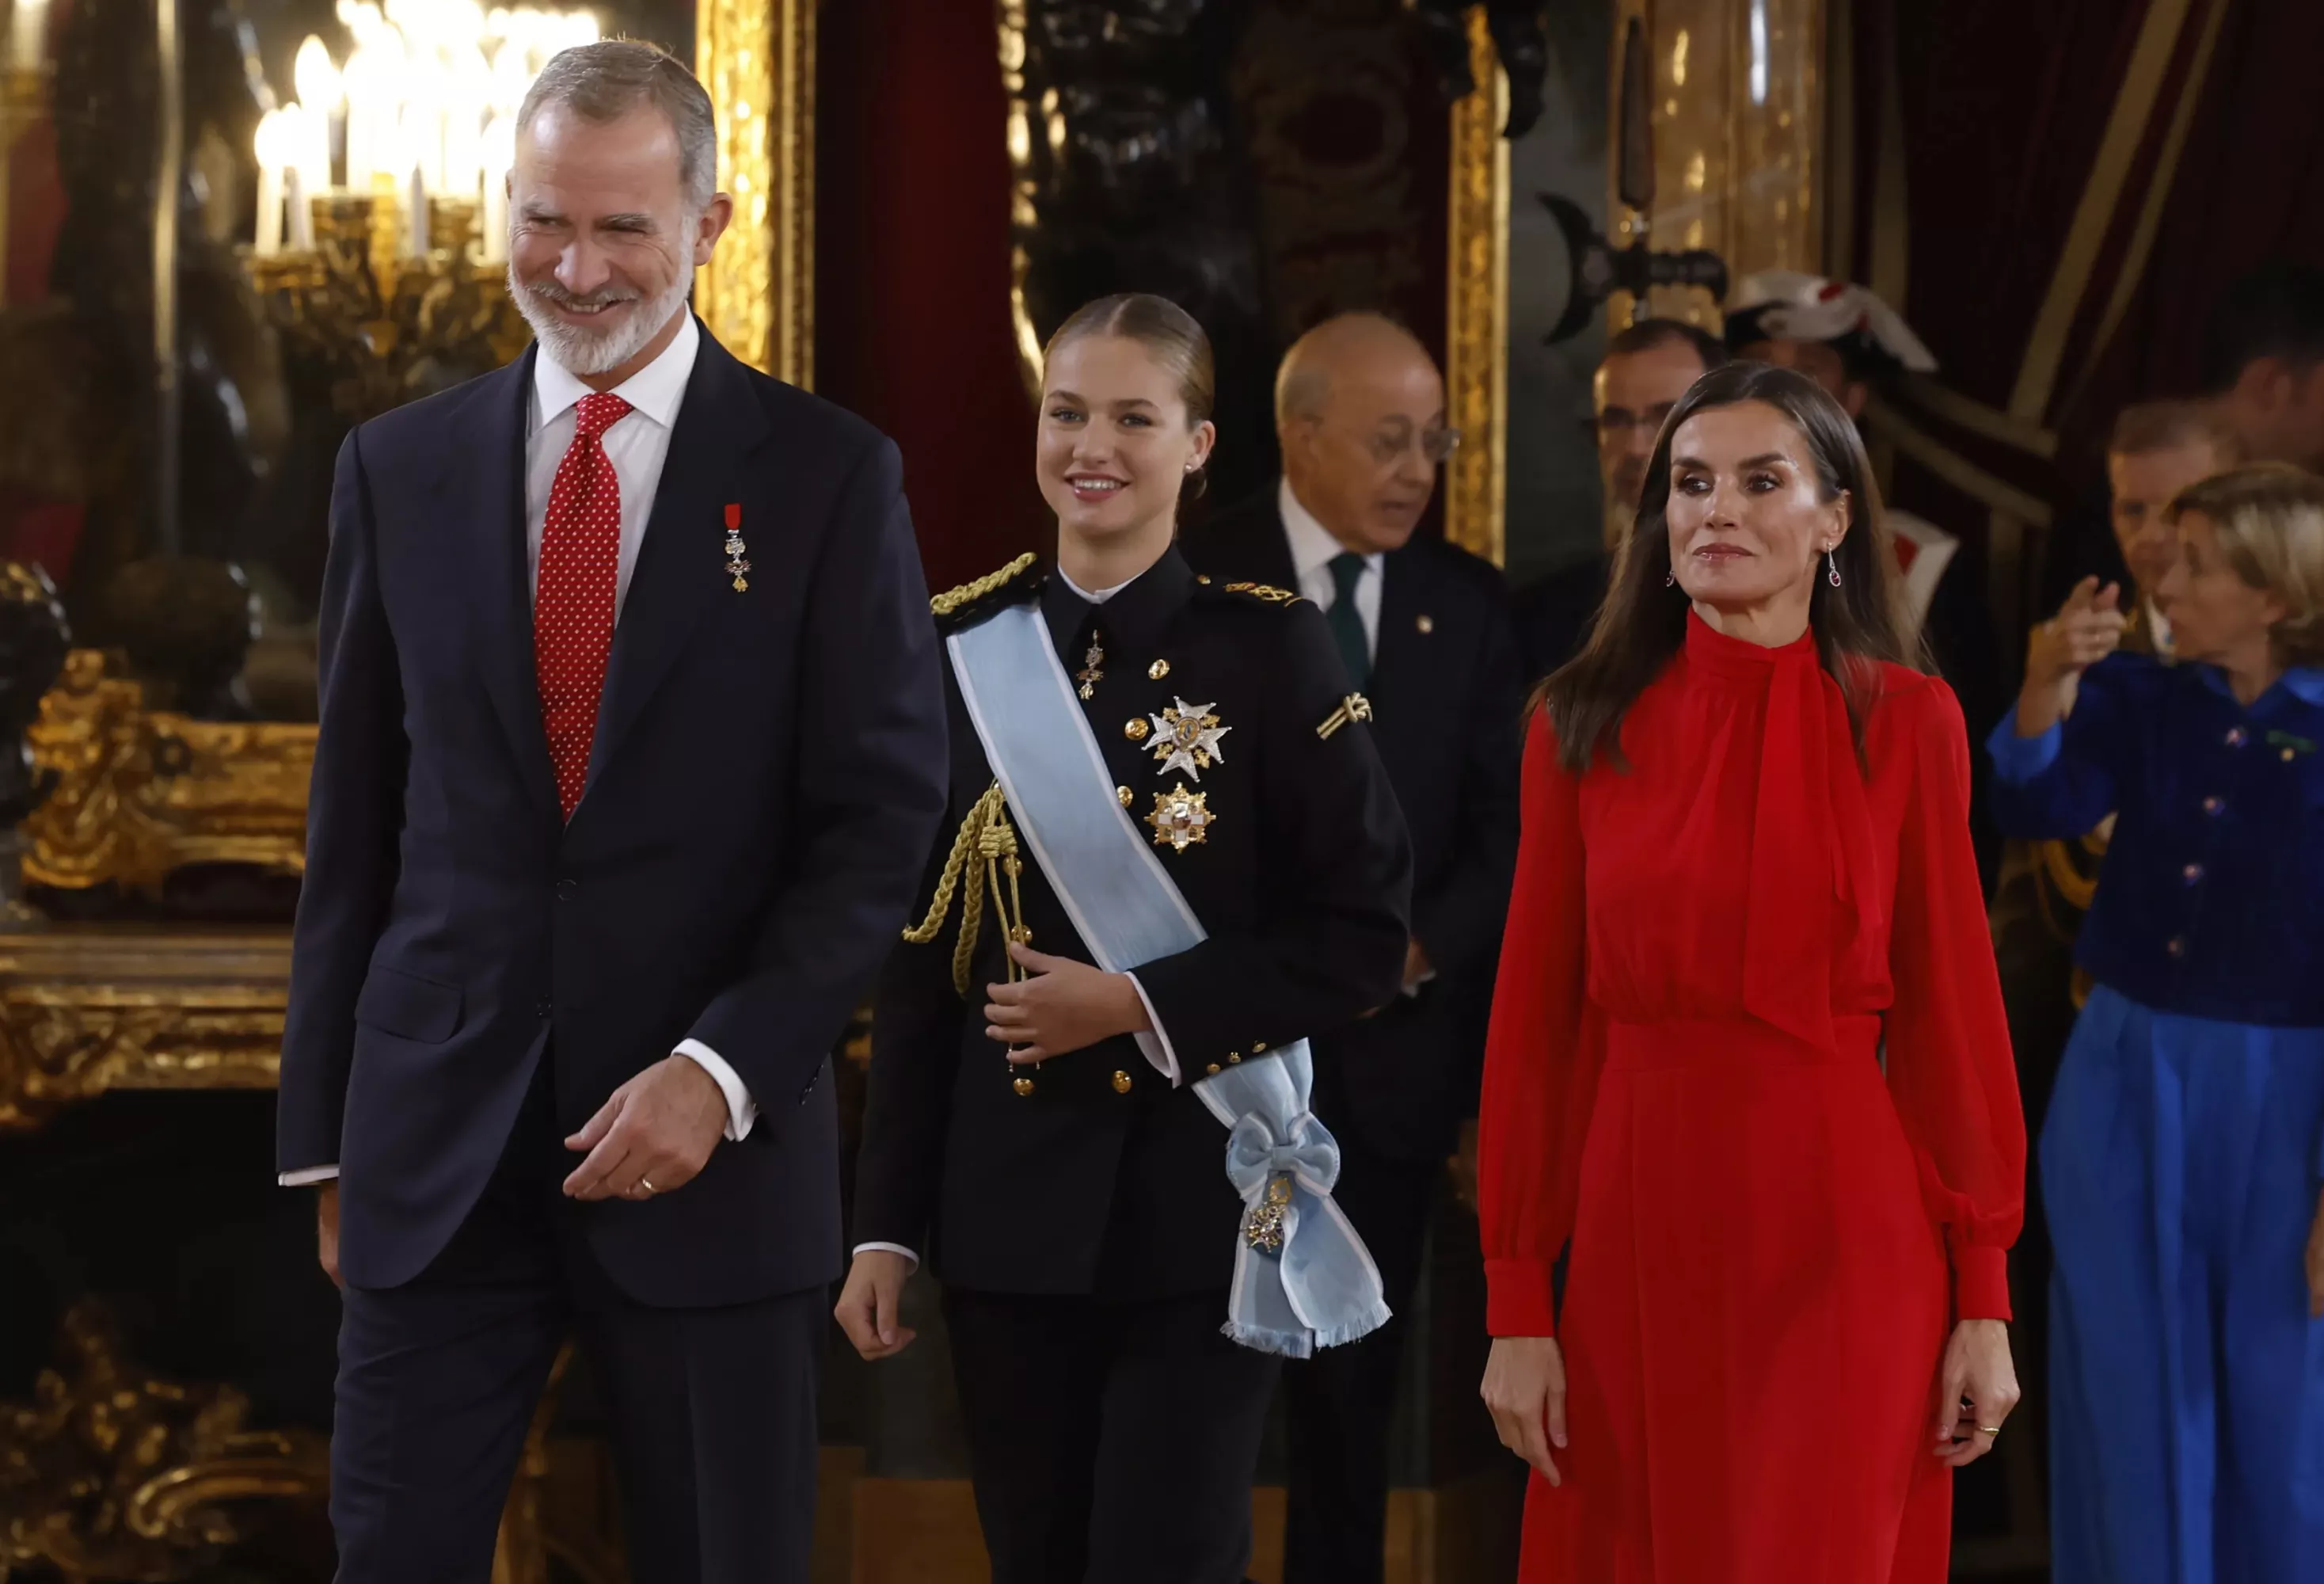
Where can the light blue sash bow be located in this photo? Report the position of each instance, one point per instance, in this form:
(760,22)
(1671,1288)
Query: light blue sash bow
(1310,1283)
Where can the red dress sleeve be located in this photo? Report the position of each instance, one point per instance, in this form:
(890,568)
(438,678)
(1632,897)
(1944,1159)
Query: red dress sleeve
(1542,1057)
(1949,1066)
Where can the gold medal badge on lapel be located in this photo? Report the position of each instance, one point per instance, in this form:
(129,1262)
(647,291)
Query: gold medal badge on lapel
(1181,819)
(1187,738)
(736,567)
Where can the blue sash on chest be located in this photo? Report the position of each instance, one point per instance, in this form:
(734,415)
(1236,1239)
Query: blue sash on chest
(1303,1279)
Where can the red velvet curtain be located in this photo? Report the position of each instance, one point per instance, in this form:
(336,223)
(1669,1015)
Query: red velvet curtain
(2003,110)
(912,318)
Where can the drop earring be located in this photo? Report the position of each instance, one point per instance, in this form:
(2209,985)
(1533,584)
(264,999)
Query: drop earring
(1831,566)
(1670,577)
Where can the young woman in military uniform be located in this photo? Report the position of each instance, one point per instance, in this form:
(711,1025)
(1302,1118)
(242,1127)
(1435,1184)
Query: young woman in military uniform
(1115,1302)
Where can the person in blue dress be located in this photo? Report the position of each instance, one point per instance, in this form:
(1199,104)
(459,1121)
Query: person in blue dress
(2182,1161)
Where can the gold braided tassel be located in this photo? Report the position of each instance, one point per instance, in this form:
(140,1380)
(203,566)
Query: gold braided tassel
(985,835)
(952,599)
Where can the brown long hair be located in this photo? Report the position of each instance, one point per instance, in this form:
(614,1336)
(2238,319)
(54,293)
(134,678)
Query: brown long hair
(1642,621)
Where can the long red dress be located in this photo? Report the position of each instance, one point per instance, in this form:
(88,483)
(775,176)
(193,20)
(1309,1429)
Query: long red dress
(1771,1235)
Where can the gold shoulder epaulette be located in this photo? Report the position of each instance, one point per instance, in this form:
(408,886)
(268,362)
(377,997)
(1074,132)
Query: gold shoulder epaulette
(952,599)
(1266,591)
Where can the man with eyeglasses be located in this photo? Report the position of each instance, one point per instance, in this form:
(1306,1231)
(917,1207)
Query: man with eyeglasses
(1645,371)
(1424,633)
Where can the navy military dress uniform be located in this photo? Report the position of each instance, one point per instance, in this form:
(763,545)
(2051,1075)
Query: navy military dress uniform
(2183,1151)
(1448,702)
(1078,1212)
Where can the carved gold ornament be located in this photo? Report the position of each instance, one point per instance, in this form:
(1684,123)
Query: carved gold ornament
(110,1472)
(85,1011)
(757,60)
(141,794)
(1187,738)
(1476,317)
(1180,819)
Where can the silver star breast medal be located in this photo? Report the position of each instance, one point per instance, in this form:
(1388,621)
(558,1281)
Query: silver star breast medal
(1187,738)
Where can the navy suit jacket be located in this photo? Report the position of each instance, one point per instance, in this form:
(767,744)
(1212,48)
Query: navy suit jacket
(1448,719)
(767,775)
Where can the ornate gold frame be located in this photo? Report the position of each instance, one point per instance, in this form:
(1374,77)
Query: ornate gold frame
(757,294)
(1476,309)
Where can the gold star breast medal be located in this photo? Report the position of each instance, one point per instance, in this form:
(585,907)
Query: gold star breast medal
(1187,738)
(1181,819)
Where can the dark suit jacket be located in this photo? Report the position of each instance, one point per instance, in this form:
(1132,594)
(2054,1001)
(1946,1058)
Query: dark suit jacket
(767,773)
(1448,705)
(1554,615)
(1102,1178)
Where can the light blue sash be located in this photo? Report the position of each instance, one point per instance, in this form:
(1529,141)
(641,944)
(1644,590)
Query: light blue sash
(1317,1287)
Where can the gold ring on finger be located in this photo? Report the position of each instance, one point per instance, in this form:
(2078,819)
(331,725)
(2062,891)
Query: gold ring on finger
(1993,1430)
(648,1186)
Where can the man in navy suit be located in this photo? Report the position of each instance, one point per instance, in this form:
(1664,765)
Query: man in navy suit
(1424,632)
(632,743)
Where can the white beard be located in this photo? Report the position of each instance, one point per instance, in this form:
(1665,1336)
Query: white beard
(584,352)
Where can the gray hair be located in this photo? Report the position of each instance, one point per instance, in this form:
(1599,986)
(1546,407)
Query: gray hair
(604,81)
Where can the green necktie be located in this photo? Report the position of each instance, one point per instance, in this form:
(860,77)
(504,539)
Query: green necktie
(1347,623)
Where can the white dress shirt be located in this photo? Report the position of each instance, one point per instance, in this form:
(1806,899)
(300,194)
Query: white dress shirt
(1153,1044)
(637,446)
(1313,549)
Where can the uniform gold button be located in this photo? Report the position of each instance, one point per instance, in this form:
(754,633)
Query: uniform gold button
(1135,729)
(1120,1082)
(1158,670)
(1203,577)
(1233,1056)
(1125,794)
(1257,1047)
(1213,1068)
(1426,624)
(1023,1085)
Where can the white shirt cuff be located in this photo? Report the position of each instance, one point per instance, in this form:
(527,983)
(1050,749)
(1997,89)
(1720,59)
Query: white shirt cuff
(742,1110)
(308,1175)
(890,1248)
(1154,1043)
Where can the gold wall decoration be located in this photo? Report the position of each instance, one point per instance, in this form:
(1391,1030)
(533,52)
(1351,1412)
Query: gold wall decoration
(139,794)
(1476,319)
(88,1009)
(757,293)
(110,1472)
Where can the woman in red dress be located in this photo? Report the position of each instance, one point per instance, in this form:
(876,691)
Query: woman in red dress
(1747,1052)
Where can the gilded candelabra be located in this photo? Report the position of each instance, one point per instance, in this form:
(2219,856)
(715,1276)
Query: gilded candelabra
(389,325)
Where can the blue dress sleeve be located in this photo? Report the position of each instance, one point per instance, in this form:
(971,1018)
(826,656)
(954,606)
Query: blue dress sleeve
(2065,780)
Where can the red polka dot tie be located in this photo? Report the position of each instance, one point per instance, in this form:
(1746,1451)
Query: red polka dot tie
(573,605)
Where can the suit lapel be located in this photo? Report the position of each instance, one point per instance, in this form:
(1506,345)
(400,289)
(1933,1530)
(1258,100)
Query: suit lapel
(491,491)
(1401,658)
(681,563)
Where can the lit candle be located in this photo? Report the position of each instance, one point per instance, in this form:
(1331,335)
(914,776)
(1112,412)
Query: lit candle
(267,145)
(500,154)
(415,213)
(302,211)
(28,34)
(306,143)
(320,93)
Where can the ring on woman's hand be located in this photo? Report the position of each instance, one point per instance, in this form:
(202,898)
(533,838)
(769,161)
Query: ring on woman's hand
(1989,1430)
(648,1186)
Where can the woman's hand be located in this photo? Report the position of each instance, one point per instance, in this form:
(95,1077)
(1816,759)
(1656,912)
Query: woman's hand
(2086,629)
(870,1304)
(2316,1262)
(1979,1390)
(1524,1388)
(1065,1006)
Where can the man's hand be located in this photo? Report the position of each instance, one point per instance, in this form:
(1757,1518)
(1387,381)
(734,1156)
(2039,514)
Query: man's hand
(870,1302)
(654,1136)
(1065,1006)
(2086,629)
(327,1229)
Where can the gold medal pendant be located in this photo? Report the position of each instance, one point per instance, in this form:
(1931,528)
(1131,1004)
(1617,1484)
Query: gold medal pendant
(1187,738)
(736,567)
(1093,671)
(1181,819)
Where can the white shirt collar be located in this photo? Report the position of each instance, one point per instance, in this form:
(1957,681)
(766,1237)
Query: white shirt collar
(1312,545)
(655,390)
(1102,595)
